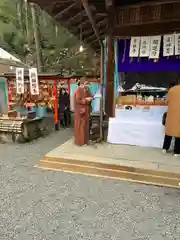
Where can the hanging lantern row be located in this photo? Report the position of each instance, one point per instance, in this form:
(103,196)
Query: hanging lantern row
(33,79)
(149,47)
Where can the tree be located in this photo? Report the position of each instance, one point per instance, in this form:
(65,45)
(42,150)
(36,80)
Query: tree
(36,30)
(60,49)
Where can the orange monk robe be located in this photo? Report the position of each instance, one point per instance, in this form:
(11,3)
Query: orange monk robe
(82,112)
(172,127)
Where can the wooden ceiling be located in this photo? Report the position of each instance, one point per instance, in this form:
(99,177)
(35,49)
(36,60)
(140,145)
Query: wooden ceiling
(122,17)
(72,15)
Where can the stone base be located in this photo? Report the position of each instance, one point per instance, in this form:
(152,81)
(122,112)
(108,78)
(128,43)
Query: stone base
(132,163)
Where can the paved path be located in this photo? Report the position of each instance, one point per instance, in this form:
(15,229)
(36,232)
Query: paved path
(36,204)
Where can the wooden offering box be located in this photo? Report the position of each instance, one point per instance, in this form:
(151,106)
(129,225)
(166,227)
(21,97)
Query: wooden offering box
(131,100)
(128,99)
(12,114)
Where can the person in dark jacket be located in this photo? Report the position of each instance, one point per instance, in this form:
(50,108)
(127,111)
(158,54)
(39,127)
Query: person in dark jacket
(64,108)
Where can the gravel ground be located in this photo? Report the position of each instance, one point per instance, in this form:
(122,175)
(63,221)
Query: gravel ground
(36,204)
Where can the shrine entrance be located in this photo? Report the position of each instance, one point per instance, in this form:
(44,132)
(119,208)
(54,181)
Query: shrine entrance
(104,22)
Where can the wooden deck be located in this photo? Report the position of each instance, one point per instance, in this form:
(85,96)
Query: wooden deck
(123,162)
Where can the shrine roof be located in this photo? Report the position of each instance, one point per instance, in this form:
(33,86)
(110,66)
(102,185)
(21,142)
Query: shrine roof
(46,75)
(72,15)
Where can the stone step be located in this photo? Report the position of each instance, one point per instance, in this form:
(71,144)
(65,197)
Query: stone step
(113,171)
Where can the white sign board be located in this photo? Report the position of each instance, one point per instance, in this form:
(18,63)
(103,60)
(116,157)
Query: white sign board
(155,44)
(168,45)
(144,47)
(177,43)
(34,84)
(134,47)
(20,80)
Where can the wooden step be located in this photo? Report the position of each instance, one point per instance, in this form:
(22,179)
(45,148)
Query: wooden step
(133,174)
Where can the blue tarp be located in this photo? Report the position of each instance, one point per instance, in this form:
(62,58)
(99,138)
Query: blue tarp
(125,64)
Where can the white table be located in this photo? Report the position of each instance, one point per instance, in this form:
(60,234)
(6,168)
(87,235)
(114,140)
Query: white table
(137,127)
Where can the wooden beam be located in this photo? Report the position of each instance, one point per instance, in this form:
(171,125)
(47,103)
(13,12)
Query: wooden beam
(53,4)
(147,29)
(75,29)
(91,19)
(94,41)
(81,13)
(90,37)
(102,14)
(135,15)
(62,1)
(104,21)
(83,23)
(111,14)
(77,15)
(87,32)
(90,30)
(109,3)
(150,3)
(102,35)
(64,11)
(103,31)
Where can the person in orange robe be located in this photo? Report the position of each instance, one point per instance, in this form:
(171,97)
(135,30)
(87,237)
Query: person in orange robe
(172,123)
(82,110)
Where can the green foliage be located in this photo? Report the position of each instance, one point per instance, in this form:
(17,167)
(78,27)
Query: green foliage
(11,37)
(60,49)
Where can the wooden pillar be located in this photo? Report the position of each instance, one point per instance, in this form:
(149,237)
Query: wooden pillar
(56,119)
(109,101)
(110,64)
(9,94)
(101,91)
(69,86)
